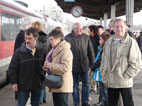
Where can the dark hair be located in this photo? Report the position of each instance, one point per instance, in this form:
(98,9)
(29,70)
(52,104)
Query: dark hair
(105,36)
(127,24)
(32,31)
(93,28)
(107,30)
(100,26)
(56,34)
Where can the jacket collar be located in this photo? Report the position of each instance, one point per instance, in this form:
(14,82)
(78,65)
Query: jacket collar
(119,48)
(124,39)
(24,49)
(63,44)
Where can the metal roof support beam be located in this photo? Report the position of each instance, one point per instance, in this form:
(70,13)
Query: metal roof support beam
(113,10)
(129,12)
(105,20)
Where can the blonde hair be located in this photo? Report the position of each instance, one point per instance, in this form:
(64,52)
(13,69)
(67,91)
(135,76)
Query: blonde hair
(37,25)
(58,28)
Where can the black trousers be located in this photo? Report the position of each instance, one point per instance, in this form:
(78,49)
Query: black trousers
(16,95)
(113,96)
(60,99)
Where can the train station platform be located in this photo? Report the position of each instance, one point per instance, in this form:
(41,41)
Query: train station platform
(7,95)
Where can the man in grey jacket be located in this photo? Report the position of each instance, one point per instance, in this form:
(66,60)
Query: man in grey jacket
(121,62)
(83,58)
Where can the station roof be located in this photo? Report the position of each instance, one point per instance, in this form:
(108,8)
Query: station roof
(95,9)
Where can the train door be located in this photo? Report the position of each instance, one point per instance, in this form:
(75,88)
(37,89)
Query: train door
(9,26)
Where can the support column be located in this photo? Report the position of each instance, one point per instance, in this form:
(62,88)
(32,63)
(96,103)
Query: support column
(101,21)
(105,20)
(113,10)
(129,12)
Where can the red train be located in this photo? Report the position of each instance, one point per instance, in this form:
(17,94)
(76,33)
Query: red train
(12,15)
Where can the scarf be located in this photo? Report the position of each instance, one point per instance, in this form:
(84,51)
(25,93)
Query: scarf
(49,59)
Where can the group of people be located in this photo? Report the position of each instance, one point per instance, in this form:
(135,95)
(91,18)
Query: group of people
(113,59)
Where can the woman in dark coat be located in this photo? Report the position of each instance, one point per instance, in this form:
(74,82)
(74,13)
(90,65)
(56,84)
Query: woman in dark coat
(43,42)
(139,40)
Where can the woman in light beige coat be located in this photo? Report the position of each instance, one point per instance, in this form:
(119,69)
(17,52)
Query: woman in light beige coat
(61,64)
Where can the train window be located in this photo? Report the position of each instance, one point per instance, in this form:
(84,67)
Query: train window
(10,25)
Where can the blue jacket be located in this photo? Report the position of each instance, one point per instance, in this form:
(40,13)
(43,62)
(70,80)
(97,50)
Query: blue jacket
(96,67)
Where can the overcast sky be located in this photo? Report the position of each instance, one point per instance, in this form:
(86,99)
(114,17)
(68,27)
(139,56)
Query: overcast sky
(38,4)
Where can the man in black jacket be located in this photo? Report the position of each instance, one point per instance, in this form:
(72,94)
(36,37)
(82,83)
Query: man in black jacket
(25,70)
(139,41)
(83,57)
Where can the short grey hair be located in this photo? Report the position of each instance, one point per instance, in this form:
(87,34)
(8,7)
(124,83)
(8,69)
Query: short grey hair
(117,20)
(74,25)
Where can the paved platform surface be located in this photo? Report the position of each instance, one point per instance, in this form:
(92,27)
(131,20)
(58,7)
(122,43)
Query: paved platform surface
(7,98)
(7,95)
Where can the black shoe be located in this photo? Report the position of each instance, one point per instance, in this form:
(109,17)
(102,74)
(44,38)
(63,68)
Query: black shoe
(44,101)
(85,104)
(92,91)
(99,104)
(76,105)
(95,92)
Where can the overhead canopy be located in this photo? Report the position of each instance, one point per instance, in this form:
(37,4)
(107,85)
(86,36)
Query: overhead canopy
(95,9)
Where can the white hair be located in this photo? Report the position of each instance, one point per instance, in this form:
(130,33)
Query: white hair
(74,25)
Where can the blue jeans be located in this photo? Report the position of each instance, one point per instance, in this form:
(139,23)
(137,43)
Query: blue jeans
(84,76)
(43,96)
(24,95)
(103,97)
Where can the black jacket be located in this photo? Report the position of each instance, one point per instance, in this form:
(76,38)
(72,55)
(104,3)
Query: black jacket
(82,49)
(19,39)
(26,70)
(131,34)
(95,43)
(139,40)
(43,41)
(97,63)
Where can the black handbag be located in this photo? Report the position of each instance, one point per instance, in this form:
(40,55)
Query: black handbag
(53,81)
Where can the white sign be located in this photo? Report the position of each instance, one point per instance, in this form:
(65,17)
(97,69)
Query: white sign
(69,0)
